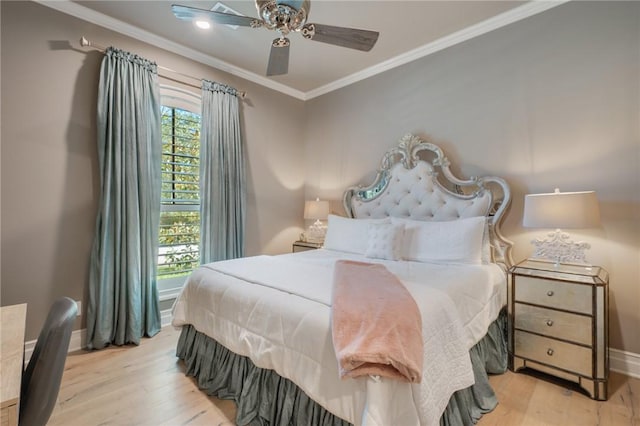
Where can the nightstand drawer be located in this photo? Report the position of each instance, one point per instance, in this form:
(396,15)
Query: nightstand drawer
(554,294)
(555,353)
(562,325)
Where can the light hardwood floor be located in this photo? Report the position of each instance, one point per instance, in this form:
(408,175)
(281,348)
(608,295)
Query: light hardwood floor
(146,385)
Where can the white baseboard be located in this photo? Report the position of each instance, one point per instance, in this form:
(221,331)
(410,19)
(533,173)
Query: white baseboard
(165,318)
(79,337)
(78,341)
(627,363)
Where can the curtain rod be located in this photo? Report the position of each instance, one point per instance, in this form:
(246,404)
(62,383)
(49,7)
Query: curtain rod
(86,43)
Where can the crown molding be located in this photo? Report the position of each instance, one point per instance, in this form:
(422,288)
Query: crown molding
(102,20)
(488,25)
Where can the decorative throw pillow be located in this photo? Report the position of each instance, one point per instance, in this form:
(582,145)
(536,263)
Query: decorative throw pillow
(348,235)
(384,240)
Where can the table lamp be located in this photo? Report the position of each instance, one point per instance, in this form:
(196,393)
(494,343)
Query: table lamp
(318,210)
(561,210)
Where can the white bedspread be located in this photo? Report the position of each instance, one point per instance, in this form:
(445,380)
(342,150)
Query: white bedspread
(276,311)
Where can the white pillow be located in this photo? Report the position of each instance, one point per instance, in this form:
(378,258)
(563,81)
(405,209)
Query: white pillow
(349,235)
(456,241)
(486,243)
(384,240)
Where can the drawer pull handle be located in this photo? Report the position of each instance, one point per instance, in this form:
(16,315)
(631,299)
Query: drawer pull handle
(550,352)
(549,322)
(550,293)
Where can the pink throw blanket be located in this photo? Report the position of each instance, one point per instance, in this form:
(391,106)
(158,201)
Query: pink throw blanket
(376,324)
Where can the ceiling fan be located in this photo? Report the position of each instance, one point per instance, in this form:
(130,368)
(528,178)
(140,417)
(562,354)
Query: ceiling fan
(284,16)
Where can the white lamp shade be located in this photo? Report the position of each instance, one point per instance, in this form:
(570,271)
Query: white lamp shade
(317,210)
(561,210)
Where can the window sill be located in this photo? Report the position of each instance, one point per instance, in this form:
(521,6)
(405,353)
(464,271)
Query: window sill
(170,288)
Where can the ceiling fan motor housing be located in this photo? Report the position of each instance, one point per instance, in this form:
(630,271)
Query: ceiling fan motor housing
(283,15)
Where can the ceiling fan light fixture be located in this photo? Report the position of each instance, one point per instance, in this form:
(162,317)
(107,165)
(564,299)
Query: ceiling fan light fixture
(205,25)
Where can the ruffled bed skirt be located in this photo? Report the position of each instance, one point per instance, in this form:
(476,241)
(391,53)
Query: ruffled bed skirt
(264,398)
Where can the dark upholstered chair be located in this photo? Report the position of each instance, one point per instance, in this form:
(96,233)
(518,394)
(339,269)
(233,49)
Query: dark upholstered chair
(41,379)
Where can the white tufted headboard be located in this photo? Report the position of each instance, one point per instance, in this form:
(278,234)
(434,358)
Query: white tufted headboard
(408,185)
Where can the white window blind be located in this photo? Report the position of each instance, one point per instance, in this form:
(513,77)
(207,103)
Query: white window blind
(180,204)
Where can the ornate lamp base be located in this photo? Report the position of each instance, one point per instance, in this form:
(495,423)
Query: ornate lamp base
(559,248)
(316,232)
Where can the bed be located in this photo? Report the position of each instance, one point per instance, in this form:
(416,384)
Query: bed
(258,330)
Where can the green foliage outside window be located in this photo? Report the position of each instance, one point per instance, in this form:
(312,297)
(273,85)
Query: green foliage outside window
(180,216)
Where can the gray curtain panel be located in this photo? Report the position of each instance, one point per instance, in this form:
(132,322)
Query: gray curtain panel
(123,298)
(222,175)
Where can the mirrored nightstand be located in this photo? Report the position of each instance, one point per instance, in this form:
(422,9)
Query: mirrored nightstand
(559,321)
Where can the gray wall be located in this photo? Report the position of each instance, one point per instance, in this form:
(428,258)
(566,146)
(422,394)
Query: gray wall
(50,182)
(551,101)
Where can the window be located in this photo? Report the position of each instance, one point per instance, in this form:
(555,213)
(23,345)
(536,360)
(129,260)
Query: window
(179,234)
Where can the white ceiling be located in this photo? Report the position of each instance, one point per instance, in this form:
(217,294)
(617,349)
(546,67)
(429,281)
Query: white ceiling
(408,30)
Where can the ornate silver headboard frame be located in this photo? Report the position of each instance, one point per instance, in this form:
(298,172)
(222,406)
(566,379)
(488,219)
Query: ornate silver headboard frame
(410,185)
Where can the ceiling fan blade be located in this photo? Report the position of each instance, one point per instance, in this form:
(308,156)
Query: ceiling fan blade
(193,14)
(279,57)
(340,36)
